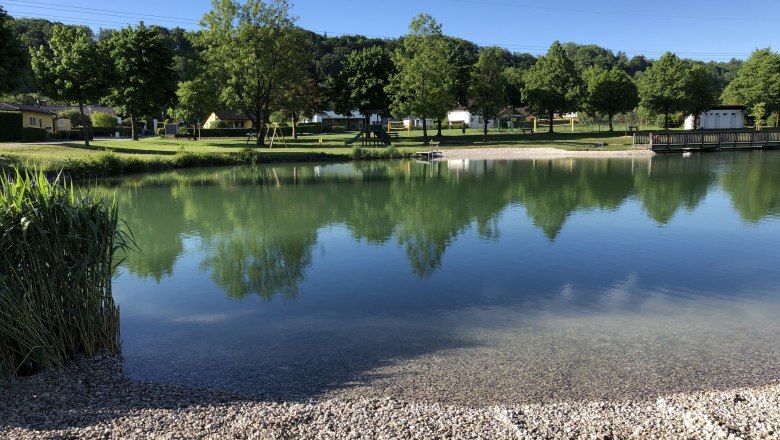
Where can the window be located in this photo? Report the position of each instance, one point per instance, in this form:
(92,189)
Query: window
(32,120)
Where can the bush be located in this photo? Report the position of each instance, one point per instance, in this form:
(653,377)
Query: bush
(217,124)
(161,132)
(30,134)
(56,269)
(106,131)
(675,120)
(225,132)
(10,126)
(76,118)
(101,119)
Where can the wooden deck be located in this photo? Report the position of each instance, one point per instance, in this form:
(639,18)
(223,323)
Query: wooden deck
(712,141)
(428,155)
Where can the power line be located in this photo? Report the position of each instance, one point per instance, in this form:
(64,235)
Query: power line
(104,12)
(532,49)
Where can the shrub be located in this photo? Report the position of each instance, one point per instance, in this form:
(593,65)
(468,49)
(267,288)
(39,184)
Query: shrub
(10,126)
(217,124)
(161,132)
(56,268)
(101,119)
(675,120)
(30,134)
(76,118)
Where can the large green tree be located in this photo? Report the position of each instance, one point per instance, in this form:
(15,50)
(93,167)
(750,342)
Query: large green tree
(609,92)
(196,99)
(756,82)
(362,82)
(73,68)
(12,57)
(488,86)
(662,87)
(142,78)
(553,84)
(700,91)
(259,53)
(422,86)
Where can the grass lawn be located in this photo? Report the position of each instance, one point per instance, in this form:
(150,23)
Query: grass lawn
(156,153)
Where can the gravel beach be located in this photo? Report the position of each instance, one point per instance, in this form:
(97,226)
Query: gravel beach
(510,153)
(93,399)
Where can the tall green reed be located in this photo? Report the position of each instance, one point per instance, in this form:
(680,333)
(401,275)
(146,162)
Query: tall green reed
(57,249)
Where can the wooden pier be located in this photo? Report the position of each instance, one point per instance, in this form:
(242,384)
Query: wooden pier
(712,141)
(428,155)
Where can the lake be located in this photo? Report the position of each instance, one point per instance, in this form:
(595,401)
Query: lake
(467,282)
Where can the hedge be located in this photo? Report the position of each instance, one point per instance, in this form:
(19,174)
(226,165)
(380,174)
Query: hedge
(111,131)
(73,135)
(30,134)
(10,126)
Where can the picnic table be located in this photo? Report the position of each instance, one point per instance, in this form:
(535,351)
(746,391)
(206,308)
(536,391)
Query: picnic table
(250,136)
(633,128)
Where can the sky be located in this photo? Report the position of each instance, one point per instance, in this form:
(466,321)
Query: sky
(700,29)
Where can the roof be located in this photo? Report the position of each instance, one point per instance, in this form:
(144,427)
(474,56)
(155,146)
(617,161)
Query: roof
(328,114)
(87,108)
(4,106)
(229,115)
(514,112)
(728,107)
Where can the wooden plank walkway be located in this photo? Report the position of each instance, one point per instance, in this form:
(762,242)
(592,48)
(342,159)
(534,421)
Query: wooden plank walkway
(713,141)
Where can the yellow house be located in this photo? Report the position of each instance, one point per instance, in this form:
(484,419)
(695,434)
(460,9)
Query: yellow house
(32,116)
(231,118)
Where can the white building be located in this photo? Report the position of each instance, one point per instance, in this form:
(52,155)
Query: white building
(719,118)
(353,121)
(462,114)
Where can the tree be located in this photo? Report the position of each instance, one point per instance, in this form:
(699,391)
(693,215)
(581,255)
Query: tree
(553,85)
(74,68)
(422,85)
(488,86)
(143,80)
(756,82)
(197,98)
(12,57)
(361,84)
(700,92)
(463,55)
(257,49)
(662,88)
(609,92)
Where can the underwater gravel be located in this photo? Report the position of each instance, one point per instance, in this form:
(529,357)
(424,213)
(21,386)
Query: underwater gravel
(92,399)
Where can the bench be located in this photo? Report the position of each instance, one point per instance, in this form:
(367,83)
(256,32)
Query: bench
(392,134)
(189,136)
(526,130)
(433,143)
(633,128)
(250,136)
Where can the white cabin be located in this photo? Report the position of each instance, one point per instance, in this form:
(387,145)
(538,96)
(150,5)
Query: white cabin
(719,118)
(462,114)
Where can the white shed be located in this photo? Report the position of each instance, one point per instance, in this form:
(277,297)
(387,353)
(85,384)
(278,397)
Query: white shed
(462,114)
(723,117)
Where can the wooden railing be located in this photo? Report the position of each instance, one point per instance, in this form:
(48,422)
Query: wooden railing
(713,140)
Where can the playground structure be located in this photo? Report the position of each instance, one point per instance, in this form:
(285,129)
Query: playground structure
(396,126)
(373,135)
(543,125)
(272,134)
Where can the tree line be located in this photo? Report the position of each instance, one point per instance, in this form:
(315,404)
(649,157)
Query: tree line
(252,57)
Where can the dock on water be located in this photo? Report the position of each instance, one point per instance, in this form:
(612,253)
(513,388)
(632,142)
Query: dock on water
(428,155)
(713,141)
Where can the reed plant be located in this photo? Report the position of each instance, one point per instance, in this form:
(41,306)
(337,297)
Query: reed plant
(57,261)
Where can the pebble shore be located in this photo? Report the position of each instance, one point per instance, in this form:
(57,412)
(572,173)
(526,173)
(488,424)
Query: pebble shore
(92,399)
(511,153)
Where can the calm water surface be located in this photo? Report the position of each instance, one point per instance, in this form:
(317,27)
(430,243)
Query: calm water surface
(465,281)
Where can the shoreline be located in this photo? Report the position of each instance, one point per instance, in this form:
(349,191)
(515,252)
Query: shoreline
(513,153)
(93,399)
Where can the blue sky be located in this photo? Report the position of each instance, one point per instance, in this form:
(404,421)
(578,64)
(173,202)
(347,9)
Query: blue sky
(702,29)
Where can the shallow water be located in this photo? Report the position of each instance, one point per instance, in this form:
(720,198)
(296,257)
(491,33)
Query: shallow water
(467,282)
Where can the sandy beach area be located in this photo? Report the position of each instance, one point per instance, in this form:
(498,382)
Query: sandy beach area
(92,399)
(511,153)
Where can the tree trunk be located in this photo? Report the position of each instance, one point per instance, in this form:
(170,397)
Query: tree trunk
(262,128)
(666,119)
(438,134)
(425,127)
(367,127)
(294,123)
(609,115)
(85,128)
(550,130)
(133,133)
(484,131)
